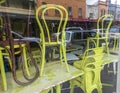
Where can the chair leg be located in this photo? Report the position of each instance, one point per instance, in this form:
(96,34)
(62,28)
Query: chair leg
(99,90)
(61,55)
(58,89)
(65,58)
(107,48)
(25,61)
(3,72)
(42,60)
(71,87)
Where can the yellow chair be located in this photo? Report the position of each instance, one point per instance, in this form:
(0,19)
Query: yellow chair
(92,66)
(2,69)
(45,34)
(103,35)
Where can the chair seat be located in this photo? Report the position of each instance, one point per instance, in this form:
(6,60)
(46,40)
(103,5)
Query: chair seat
(52,43)
(77,64)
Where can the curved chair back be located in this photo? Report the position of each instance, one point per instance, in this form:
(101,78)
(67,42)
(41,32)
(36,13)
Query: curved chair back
(103,35)
(92,66)
(43,10)
(101,22)
(93,57)
(46,35)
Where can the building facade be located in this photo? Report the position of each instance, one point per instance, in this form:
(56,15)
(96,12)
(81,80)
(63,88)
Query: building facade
(92,11)
(118,13)
(102,8)
(114,9)
(96,10)
(75,8)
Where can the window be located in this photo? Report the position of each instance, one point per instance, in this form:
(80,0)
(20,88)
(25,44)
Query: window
(103,12)
(67,36)
(56,12)
(44,3)
(91,15)
(70,11)
(18,3)
(80,12)
(118,16)
(77,36)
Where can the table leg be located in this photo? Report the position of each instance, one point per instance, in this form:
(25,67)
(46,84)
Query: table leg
(58,89)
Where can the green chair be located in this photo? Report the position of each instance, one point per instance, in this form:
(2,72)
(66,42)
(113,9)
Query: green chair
(103,35)
(45,33)
(91,64)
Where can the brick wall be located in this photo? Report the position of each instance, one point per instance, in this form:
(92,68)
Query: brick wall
(75,4)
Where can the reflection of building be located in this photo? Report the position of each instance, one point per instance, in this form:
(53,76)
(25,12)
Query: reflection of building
(76,11)
(96,10)
(16,7)
(102,8)
(114,9)
(76,8)
(92,11)
(118,12)
(18,11)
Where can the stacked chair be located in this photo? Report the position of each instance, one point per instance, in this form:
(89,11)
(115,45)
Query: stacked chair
(92,59)
(104,34)
(47,41)
(91,64)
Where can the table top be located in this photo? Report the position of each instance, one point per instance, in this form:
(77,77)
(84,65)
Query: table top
(109,59)
(54,73)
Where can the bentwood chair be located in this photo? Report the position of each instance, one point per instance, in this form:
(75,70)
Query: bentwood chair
(4,52)
(104,33)
(45,32)
(91,64)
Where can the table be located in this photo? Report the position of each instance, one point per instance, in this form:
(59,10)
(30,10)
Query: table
(111,59)
(54,74)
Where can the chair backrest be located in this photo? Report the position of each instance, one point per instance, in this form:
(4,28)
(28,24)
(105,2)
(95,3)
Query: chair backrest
(92,65)
(104,28)
(93,57)
(63,16)
(93,77)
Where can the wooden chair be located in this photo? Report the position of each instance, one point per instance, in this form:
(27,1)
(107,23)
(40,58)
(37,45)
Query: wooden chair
(45,33)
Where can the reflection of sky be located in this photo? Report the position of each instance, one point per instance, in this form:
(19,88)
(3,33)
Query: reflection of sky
(93,1)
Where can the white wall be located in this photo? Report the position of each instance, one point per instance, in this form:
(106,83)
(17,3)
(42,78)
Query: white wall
(92,9)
